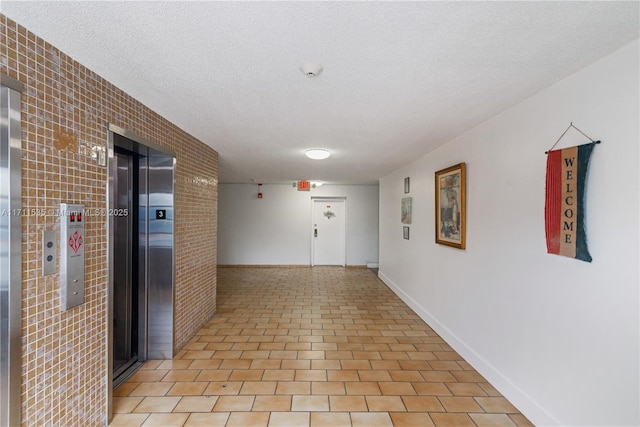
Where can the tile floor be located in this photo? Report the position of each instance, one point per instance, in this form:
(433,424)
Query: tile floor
(321,346)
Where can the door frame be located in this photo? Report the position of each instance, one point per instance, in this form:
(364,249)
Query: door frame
(328,199)
(11,252)
(147,149)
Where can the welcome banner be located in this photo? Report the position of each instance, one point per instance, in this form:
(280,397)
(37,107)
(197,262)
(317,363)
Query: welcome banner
(564,202)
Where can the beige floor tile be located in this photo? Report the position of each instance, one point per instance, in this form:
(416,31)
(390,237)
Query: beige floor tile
(356,364)
(165,420)
(310,403)
(125,389)
(152,389)
(128,420)
(265,364)
(258,387)
(147,375)
(343,375)
(451,420)
(233,403)
(272,403)
(371,419)
(246,375)
(157,404)
(288,419)
(385,365)
(328,388)
(385,404)
(438,376)
(293,387)
(234,363)
(296,364)
(222,388)
(278,375)
(431,389)
(197,354)
(196,404)
(492,420)
(181,375)
(396,388)
(363,388)
(405,375)
(188,388)
(468,376)
(248,419)
(174,364)
(374,375)
(422,404)
(207,419)
(465,389)
(496,404)
(347,403)
(403,419)
(213,375)
(520,420)
(311,375)
(459,404)
(330,419)
(123,405)
(151,364)
(415,365)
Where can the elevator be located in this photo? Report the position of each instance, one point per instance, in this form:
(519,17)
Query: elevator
(141,253)
(126,283)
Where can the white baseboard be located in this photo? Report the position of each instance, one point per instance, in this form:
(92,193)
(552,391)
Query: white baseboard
(529,407)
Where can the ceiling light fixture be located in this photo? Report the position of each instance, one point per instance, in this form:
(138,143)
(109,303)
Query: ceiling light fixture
(317,153)
(311,70)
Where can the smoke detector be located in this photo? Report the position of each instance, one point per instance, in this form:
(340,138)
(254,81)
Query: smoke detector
(311,70)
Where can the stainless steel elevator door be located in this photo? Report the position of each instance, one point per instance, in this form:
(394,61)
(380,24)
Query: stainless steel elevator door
(125,282)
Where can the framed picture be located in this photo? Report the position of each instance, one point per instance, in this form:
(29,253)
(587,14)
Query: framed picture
(405,214)
(450,206)
(406,185)
(405,232)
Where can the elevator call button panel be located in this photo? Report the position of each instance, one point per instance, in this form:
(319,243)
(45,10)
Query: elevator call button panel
(72,255)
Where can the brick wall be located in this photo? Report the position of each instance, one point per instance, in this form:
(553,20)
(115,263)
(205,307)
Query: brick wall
(65,111)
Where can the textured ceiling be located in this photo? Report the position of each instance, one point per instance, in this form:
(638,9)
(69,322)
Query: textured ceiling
(399,79)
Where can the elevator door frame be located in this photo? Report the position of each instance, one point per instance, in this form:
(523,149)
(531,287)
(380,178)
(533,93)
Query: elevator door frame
(152,300)
(130,262)
(10,251)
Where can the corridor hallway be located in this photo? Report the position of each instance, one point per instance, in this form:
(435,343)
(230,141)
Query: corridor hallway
(318,346)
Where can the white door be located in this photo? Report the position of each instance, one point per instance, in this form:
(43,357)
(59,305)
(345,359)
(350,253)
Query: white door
(329,232)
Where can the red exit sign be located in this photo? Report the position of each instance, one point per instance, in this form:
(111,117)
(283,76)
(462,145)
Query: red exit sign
(304,186)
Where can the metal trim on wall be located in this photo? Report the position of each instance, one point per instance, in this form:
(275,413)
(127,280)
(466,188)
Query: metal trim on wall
(142,145)
(10,251)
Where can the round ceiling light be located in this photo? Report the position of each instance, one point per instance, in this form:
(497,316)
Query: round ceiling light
(317,153)
(310,69)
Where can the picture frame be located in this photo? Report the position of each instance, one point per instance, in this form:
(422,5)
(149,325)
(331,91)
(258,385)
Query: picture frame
(407,187)
(405,232)
(450,206)
(405,211)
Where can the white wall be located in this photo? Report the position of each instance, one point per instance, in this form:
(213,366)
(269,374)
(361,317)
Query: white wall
(276,230)
(559,337)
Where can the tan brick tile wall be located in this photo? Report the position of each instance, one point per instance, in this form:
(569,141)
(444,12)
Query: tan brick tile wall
(65,111)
